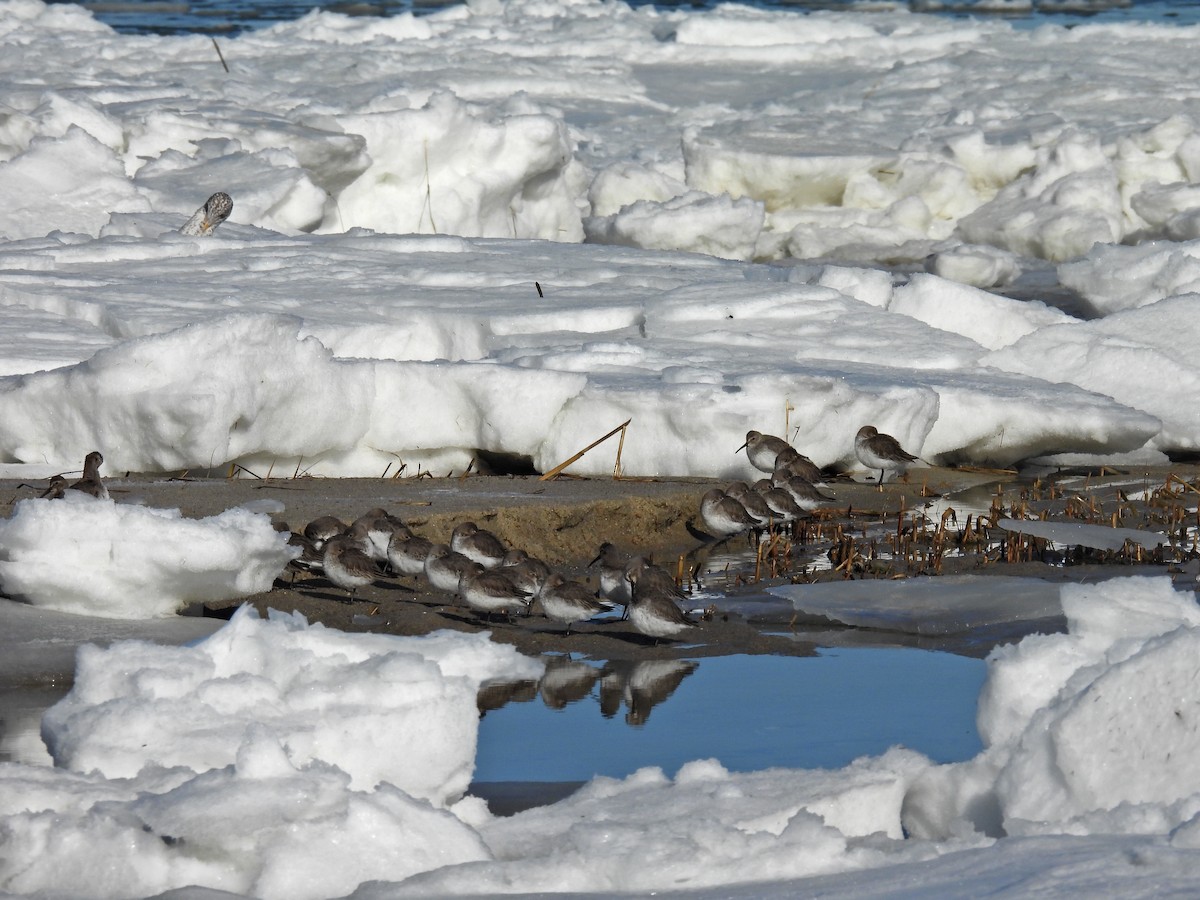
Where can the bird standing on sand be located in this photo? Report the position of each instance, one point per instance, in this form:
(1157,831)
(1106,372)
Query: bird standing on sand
(406,555)
(444,568)
(322,528)
(380,525)
(805,493)
(763,449)
(489,591)
(527,572)
(346,565)
(204,221)
(791,463)
(478,545)
(880,451)
(652,612)
(91,483)
(569,601)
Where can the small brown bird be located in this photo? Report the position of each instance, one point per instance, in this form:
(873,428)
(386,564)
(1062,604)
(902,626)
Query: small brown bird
(444,568)
(478,545)
(791,463)
(723,517)
(880,451)
(763,449)
(204,221)
(490,590)
(380,525)
(91,483)
(322,528)
(654,613)
(569,601)
(54,491)
(346,565)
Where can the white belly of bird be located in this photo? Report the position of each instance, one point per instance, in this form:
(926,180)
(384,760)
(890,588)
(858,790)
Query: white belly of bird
(343,577)
(480,598)
(564,610)
(651,625)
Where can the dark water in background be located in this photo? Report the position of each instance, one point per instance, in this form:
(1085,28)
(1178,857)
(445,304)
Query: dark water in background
(234,16)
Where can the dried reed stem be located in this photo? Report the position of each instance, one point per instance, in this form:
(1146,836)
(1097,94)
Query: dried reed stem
(562,465)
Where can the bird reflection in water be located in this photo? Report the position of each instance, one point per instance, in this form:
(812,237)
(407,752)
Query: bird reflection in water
(638,685)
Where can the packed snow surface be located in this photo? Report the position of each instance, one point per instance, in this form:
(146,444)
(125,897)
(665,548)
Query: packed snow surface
(280,759)
(84,555)
(510,226)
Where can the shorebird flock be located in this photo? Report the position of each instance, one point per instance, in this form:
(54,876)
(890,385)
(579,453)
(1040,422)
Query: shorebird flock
(488,577)
(491,579)
(792,490)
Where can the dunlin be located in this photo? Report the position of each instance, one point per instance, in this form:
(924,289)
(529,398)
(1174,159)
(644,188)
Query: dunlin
(478,545)
(880,451)
(359,535)
(763,449)
(380,526)
(91,483)
(406,555)
(805,493)
(444,568)
(54,491)
(791,463)
(569,601)
(529,574)
(490,591)
(322,528)
(780,501)
(613,584)
(723,517)
(346,565)
(654,613)
(653,579)
(204,221)
(310,557)
(752,501)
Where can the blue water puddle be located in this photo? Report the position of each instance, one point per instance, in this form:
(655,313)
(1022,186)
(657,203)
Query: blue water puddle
(748,712)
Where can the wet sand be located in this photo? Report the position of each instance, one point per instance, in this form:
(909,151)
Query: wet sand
(564,521)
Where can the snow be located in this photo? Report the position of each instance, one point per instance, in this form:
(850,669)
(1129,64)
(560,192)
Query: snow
(707,200)
(510,226)
(206,764)
(95,557)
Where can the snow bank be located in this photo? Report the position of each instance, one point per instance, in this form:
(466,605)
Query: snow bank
(1086,733)
(210,765)
(508,119)
(696,350)
(96,557)
(273,758)
(380,708)
(647,132)
(451,168)
(1129,356)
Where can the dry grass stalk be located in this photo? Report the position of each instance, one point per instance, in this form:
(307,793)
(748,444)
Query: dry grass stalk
(562,465)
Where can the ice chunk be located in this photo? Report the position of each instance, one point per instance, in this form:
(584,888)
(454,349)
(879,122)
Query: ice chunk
(955,604)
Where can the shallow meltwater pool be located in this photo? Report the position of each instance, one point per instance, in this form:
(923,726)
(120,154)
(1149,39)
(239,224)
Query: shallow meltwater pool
(749,712)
